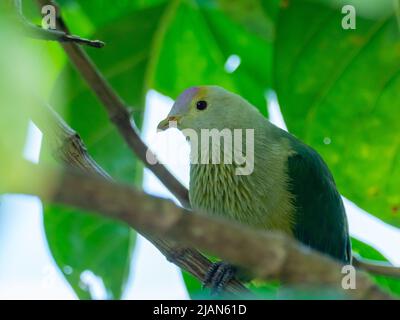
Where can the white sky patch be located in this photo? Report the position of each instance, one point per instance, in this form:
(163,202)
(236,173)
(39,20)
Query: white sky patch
(232,63)
(373,231)
(33,143)
(274,110)
(152,276)
(362,225)
(170,145)
(27,269)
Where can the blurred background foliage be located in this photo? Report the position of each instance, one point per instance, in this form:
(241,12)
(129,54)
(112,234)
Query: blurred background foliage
(18,84)
(338,90)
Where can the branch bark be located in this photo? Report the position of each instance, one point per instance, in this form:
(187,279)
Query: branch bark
(69,149)
(266,255)
(65,143)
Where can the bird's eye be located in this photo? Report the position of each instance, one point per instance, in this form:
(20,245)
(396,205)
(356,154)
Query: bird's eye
(201,105)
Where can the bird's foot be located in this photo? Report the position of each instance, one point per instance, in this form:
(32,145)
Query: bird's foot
(219,274)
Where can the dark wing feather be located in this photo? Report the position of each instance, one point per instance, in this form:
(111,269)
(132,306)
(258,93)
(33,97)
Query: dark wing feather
(321,221)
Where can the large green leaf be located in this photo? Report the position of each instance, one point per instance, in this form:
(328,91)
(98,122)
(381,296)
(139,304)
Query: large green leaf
(185,53)
(368,9)
(339,92)
(104,12)
(14,110)
(256,16)
(81,242)
(253,75)
(78,241)
(194,287)
(193,42)
(21,68)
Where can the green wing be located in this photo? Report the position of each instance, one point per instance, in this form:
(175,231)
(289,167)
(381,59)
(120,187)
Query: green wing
(321,221)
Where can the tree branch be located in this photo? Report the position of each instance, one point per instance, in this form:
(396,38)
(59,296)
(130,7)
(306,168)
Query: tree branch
(37,32)
(118,113)
(68,148)
(65,143)
(266,255)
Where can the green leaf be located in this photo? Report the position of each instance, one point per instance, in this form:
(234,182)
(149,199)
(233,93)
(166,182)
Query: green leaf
(253,76)
(104,12)
(76,239)
(184,52)
(194,287)
(81,242)
(265,290)
(21,67)
(192,44)
(255,15)
(372,9)
(390,284)
(14,113)
(338,91)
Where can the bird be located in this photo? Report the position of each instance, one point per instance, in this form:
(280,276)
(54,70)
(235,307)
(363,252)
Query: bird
(288,187)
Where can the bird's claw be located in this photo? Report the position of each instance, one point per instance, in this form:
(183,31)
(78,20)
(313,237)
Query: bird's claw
(219,274)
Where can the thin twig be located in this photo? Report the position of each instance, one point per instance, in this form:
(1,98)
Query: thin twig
(68,148)
(54,35)
(266,255)
(37,32)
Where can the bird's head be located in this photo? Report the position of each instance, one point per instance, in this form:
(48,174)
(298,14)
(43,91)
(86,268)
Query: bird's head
(206,107)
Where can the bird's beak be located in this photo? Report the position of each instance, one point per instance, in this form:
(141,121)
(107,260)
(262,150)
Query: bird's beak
(169,122)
